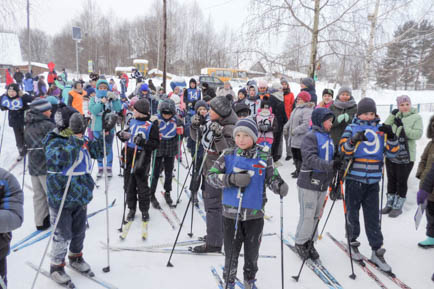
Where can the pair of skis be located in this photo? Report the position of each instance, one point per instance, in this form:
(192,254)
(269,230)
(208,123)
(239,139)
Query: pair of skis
(70,285)
(30,239)
(126,229)
(365,268)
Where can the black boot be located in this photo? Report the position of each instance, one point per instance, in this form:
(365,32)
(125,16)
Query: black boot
(131,214)
(206,249)
(168,199)
(155,203)
(45,225)
(313,253)
(303,250)
(145,216)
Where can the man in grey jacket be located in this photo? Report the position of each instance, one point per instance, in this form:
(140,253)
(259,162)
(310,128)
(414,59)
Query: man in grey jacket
(11,214)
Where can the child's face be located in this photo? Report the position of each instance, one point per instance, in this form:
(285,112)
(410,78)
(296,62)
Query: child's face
(176,91)
(213,116)
(241,95)
(367,116)
(202,111)
(243,140)
(344,96)
(327,98)
(137,114)
(300,101)
(103,86)
(47,113)
(12,92)
(327,125)
(284,85)
(405,107)
(252,91)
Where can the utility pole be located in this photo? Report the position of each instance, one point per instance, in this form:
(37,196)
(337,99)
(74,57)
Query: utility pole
(29,54)
(76,36)
(164,43)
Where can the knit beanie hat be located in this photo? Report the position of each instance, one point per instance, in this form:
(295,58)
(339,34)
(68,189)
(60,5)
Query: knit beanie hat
(101,81)
(241,107)
(14,86)
(366,105)
(248,126)
(221,105)
(402,99)
(304,95)
(344,89)
(277,90)
(284,80)
(40,104)
(90,90)
(200,103)
(328,91)
(167,105)
(144,87)
(62,116)
(307,81)
(262,83)
(320,115)
(142,106)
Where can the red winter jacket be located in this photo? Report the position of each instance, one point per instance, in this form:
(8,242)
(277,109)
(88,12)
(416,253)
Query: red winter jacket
(288,100)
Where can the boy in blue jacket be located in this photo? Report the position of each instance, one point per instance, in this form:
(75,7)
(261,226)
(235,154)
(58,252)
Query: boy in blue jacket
(363,140)
(246,167)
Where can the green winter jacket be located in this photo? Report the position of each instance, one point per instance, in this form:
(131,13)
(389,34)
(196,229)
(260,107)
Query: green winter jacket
(427,158)
(96,108)
(413,128)
(349,109)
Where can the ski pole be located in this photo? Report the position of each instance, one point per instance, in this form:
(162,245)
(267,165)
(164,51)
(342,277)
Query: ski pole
(119,156)
(312,238)
(129,183)
(59,213)
(382,180)
(179,158)
(195,179)
(281,241)
(3,131)
(185,153)
(24,167)
(334,186)
(352,276)
(106,269)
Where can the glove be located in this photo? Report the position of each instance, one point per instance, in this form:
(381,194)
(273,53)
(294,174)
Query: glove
(421,196)
(343,117)
(358,137)
(139,138)
(395,111)
(283,189)
(180,130)
(337,165)
(387,129)
(240,180)
(123,135)
(195,120)
(335,194)
(398,122)
(217,129)
(111,95)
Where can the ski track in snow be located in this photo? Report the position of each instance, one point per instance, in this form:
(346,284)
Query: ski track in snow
(411,264)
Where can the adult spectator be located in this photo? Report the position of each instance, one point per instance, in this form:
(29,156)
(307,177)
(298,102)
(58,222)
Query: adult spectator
(308,84)
(18,76)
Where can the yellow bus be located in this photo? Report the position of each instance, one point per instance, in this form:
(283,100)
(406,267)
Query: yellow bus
(141,65)
(225,74)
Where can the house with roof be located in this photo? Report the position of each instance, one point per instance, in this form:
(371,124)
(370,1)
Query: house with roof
(10,53)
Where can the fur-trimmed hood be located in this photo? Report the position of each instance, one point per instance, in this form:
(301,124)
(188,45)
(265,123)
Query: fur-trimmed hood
(430,128)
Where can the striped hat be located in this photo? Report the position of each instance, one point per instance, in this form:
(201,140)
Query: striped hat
(40,104)
(248,126)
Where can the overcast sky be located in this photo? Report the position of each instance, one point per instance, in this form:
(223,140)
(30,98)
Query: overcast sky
(51,15)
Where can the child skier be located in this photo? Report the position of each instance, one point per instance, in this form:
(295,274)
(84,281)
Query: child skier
(315,176)
(170,127)
(266,124)
(363,140)
(426,162)
(16,102)
(246,168)
(142,134)
(68,154)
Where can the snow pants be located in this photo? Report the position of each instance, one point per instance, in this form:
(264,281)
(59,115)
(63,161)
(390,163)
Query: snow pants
(249,233)
(5,240)
(363,195)
(70,230)
(136,188)
(19,138)
(108,146)
(212,199)
(287,142)
(40,203)
(310,210)
(397,178)
(163,163)
(430,219)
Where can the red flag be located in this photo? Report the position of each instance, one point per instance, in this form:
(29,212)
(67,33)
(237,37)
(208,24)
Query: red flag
(9,78)
(51,66)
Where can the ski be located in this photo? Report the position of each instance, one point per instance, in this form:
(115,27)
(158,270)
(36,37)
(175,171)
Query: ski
(237,280)
(323,269)
(145,230)
(25,239)
(157,246)
(42,237)
(167,218)
(172,210)
(125,230)
(90,275)
(198,209)
(389,275)
(44,272)
(311,265)
(360,263)
(217,277)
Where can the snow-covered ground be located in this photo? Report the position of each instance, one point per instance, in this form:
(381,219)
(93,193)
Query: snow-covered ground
(412,265)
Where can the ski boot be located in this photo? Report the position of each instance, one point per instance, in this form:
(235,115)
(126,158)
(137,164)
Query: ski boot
(389,204)
(145,216)
(207,249)
(100,173)
(397,207)
(313,253)
(109,172)
(230,285)
(250,284)
(168,199)
(77,262)
(303,250)
(288,158)
(155,203)
(426,244)
(355,253)
(130,216)
(378,258)
(58,274)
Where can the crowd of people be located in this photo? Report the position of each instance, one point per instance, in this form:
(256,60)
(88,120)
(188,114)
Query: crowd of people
(235,142)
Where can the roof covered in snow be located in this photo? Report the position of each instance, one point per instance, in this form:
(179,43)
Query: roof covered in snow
(10,50)
(38,64)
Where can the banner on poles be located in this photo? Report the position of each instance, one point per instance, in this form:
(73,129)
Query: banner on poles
(89,66)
